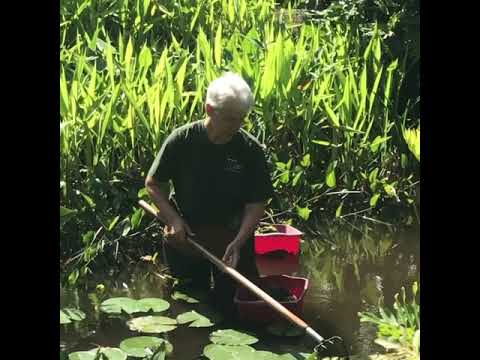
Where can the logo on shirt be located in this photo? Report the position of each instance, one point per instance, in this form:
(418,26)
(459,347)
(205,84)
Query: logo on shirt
(233,165)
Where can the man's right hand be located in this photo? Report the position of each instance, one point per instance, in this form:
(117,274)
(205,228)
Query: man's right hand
(176,233)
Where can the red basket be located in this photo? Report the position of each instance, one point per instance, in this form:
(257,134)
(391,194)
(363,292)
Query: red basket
(251,308)
(286,238)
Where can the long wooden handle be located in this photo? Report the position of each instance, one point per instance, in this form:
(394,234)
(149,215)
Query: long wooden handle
(287,314)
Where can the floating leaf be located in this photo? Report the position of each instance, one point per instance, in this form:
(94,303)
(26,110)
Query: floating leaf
(232,337)
(223,352)
(198,320)
(152,324)
(71,314)
(109,353)
(177,295)
(154,304)
(64,319)
(137,346)
(116,305)
(265,355)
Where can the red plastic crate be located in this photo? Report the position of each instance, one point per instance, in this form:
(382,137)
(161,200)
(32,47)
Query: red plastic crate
(251,308)
(286,238)
(289,264)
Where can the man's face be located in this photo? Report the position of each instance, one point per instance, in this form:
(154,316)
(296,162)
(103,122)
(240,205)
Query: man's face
(229,120)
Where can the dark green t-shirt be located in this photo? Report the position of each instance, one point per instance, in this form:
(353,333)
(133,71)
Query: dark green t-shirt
(212,182)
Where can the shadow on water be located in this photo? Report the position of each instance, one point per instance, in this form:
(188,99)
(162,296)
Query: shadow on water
(349,271)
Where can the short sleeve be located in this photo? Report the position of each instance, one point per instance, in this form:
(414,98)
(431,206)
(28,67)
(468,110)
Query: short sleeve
(163,168)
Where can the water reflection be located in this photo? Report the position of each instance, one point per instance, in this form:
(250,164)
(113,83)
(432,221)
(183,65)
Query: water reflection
(349,271)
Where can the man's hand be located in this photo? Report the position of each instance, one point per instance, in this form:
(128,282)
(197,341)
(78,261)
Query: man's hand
(176,233)
(232,254)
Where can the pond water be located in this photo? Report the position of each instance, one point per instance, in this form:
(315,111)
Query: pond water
(347,273)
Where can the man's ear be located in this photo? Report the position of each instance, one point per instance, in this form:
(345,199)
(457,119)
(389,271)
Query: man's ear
(209,109)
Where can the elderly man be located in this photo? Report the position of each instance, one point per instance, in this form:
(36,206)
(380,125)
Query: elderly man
(221,184)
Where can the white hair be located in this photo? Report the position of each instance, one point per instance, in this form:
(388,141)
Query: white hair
(230,91)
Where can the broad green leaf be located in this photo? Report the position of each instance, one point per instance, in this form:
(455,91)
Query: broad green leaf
(224,352)
(265,355)
(232,337)
(152,324)
(116,305)
(137,346)
(338,213)
(136,218)
(390,190)
(304,213)
(306,161)
(64,319)
(177,295)
(330,178)
(416,341)
(109,353)
(154,304)
(88,199)
(145,58)
(326,143)
(113,223)
(65,211)
(377,142)
(196,319)
(331,114)
(74,314)
(218,45)
(296,178)
(374,199)
(128,56)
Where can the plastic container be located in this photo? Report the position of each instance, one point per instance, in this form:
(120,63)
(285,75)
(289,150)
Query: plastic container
(289,264)
(287,238)
(251,308)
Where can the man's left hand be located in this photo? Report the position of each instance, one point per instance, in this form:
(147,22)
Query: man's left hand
(232,254)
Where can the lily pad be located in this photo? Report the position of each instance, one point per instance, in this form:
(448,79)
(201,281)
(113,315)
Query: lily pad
(116,305)
(69,314)
(152,324)
(232,337)
(196,319)
(110,353)
(283,328)
(138,346)
(223,352)
(154,304)
(178,295)
(265,355)
(64,319)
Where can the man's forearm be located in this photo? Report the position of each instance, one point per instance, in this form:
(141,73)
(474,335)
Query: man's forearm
(160,198)
(252,216)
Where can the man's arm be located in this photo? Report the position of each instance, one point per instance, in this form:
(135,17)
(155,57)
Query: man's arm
(252,216)
(159,194)
(176,226)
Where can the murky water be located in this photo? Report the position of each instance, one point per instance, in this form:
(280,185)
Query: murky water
(348,273)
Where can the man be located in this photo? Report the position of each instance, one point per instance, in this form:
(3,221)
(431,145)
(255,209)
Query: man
(221,183)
